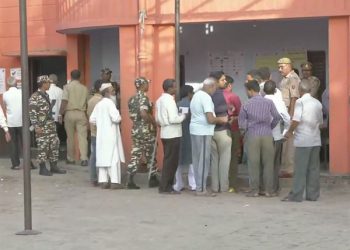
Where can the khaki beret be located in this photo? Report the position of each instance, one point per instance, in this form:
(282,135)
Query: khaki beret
(306,66)
(284,60)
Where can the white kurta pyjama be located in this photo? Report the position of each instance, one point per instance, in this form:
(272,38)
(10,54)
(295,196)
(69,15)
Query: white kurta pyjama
(109,147)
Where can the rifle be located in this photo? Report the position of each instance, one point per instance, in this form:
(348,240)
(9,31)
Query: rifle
(151,164)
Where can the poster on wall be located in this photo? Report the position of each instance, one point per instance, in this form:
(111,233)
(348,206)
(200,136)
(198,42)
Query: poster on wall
(2,80)
(16,73)
(230,62)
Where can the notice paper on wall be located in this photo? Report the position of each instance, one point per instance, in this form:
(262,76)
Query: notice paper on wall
(2,80)
(230,62)
(16,73)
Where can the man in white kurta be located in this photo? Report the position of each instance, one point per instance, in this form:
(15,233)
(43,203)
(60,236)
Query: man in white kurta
(270,91)
(109,148)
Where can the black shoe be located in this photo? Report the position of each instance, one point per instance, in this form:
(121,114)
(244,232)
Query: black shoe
(153,181)
(56,170)
(132,185)
(43,170)
(84,163)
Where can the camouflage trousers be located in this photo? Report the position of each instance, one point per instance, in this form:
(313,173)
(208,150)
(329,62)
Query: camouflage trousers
(142,150)
(48,147)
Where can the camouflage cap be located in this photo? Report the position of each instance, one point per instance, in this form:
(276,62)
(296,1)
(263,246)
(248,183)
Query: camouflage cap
(306,66)
(284,60)
(43,78)
(140,81)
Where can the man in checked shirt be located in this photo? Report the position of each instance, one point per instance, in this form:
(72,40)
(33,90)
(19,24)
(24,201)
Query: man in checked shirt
(257,118)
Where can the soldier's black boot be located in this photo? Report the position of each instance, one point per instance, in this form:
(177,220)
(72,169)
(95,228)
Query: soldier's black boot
(43,170)
(153,181)
(131,184)
(56,170)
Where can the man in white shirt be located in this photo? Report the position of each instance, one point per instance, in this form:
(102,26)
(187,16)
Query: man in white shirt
(170,132)
(265,75)
(13,105)
(3,125)
(306,123)
(270,92)
(55,93)
(202,127)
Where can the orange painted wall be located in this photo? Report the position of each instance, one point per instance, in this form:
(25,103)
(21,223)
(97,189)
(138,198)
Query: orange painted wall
(339,52)
(42,35)
(152,54)
(127,36)
(96,13)
(161,12)
(77,14)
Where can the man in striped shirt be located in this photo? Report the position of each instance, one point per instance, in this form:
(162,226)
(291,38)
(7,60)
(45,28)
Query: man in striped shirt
(257,119)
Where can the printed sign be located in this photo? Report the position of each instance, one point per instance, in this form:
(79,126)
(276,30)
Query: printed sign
(2,80)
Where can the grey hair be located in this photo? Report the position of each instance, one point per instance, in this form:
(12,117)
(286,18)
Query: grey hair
(209,81)
(11,81)
(305,86)
(53,78)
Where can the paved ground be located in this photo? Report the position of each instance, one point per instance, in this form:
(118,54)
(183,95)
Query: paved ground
(73,215)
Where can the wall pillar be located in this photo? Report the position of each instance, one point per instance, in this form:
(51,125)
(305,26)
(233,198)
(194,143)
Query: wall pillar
(152,55)
(128,48)
(339,52)
(72,53)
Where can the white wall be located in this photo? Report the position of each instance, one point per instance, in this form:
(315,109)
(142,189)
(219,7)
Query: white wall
(250,38)
(104,49)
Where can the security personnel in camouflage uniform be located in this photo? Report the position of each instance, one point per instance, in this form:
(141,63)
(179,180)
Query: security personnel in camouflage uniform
(45,128)
(144,132)
(306,69)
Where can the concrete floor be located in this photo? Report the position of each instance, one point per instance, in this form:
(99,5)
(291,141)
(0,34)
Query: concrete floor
(72,215)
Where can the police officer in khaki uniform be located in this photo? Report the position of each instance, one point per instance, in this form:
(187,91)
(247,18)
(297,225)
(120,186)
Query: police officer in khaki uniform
(289,87)
(306,69)
(73,107)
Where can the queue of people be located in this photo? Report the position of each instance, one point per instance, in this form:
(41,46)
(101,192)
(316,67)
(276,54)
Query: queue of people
(201,134)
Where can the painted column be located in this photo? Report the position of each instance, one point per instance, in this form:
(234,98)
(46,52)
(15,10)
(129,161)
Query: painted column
(152,55)
(164,55)
(128,47)
(339,38)
(72,53)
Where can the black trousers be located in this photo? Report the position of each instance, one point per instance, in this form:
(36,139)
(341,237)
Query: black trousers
(61,133)
(170,161)
(15,145)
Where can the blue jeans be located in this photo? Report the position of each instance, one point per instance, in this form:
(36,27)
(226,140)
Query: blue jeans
(93,171)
